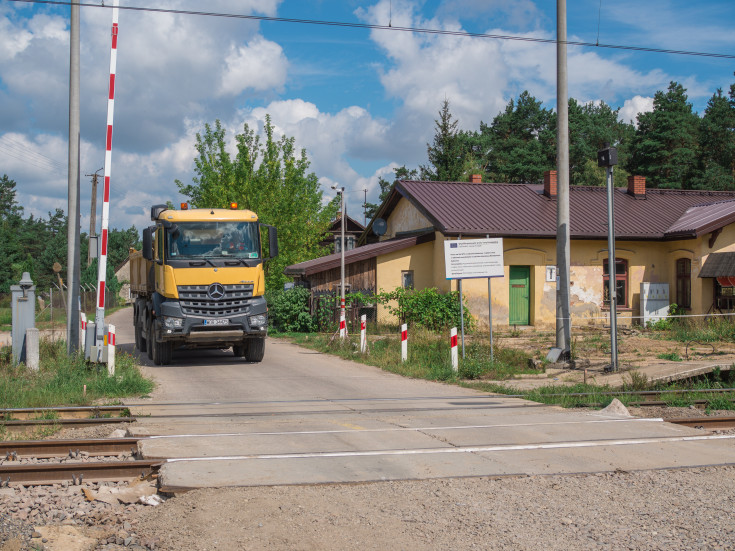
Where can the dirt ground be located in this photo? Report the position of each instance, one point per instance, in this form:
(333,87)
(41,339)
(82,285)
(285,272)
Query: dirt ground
(635,347)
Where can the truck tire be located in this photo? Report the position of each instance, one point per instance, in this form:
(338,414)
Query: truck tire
(256,349)
(139,340)
(162,352)
(240,350)
(150,339)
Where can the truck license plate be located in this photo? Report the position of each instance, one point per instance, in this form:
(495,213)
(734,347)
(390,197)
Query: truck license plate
(217,322)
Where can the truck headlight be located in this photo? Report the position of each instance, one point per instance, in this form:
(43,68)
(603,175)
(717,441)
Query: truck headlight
(173,323)
(261,320)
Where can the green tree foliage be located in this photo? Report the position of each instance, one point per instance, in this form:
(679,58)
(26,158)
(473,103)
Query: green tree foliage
(288,311)
(520,142)
(716,167)
(665,147)
(591,126)
(270,178)
(445,153)
(33,244)
(401,173)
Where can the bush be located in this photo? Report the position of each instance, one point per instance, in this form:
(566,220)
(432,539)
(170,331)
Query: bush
(426,308)
(288,311)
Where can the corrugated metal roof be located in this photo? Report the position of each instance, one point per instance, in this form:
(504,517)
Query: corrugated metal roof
(518,210)
(355,255)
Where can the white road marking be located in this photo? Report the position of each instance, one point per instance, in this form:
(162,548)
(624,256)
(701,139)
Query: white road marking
(472,449)
(399,429)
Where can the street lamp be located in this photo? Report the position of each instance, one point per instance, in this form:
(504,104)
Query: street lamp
(342,322)
(608,158)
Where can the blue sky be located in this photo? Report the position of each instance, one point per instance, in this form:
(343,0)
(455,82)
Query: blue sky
(360,101)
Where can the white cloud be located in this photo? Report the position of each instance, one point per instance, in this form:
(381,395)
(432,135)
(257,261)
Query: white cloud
(259,65)
(633,106)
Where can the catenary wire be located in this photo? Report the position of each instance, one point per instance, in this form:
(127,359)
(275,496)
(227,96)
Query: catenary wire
(391,28)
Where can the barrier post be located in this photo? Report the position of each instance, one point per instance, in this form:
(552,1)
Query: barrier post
(342,324)
(363,333)
(111,351)
(404,342)
(83,322)
(453,348)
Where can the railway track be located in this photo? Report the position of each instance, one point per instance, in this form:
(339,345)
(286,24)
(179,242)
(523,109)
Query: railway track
(57,468)
(26,421)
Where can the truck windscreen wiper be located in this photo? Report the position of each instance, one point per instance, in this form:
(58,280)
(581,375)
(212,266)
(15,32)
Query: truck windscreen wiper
(201,262)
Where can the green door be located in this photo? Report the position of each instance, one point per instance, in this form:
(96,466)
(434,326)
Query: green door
(520,292)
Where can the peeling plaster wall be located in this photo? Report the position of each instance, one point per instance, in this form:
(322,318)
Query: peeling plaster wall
(648,261)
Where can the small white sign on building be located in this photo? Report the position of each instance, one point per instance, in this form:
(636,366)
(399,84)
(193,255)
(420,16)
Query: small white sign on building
(472,258)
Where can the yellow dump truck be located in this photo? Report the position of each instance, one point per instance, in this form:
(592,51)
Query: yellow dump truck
(199,282)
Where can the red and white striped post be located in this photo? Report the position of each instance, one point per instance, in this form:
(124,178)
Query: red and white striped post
(342,321)
(363,334)
(404,342)
(83,335)
(111,351)
(102,267)
(453,348)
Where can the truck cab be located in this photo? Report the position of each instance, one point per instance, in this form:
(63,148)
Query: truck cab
(200,282)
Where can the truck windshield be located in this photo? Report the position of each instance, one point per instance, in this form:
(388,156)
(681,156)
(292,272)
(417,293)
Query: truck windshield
(214,240)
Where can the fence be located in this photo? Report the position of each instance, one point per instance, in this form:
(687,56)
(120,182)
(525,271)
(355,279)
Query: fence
(324,307)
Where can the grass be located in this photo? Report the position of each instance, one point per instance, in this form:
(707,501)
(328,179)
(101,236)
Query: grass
(61,379)
(672,356)
(428,355)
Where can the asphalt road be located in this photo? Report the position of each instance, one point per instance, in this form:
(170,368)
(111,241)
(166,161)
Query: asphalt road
(302,417)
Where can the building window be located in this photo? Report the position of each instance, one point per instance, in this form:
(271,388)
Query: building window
(407,279)
(684,283)
(621,283)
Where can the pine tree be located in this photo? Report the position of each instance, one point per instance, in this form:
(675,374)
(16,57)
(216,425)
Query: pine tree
(445,154)
(665,147)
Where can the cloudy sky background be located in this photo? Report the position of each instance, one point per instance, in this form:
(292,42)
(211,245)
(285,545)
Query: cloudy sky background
(361,101)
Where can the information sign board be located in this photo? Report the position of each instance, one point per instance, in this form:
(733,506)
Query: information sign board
(472,258)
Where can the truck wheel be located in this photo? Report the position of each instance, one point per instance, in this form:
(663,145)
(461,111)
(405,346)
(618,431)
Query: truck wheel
(240,350)
(256,349)
(139,340)
(150,339)
(162,352)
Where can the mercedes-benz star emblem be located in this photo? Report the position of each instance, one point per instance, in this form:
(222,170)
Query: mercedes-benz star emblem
(216,291)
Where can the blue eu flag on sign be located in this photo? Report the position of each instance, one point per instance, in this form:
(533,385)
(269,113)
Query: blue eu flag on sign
(452,245)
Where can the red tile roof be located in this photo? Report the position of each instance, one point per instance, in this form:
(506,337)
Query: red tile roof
(520,210)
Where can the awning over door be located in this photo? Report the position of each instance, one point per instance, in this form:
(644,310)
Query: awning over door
(720,266)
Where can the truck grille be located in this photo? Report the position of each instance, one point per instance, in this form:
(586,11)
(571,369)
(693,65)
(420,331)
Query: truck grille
(195,300)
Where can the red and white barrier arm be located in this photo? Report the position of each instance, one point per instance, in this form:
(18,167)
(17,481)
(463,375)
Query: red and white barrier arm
(102,268)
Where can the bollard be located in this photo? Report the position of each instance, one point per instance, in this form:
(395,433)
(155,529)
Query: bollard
(342,324)
(32,354)
(83,335)
(363,334)
(111,351)
(453,348)
(404,342)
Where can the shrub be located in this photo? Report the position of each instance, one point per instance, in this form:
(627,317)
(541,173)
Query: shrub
(426,308)
(288,311)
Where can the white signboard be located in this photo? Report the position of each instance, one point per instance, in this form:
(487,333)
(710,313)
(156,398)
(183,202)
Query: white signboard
(471,258)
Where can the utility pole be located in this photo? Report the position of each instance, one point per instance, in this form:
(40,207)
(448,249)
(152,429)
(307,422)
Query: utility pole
(563,321)
(342,319)
(93,217)
(608,158)
(364,209)
(73,268)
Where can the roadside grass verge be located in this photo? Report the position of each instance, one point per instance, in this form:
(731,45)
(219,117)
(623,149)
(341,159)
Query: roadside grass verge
(61,379)
(428,358)
(428,355)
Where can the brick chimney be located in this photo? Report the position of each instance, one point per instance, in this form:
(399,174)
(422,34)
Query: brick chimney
(476,179)
(550,183)
(637,186)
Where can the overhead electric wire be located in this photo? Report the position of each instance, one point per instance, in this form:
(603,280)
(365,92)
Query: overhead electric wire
(390,27)
(33,158)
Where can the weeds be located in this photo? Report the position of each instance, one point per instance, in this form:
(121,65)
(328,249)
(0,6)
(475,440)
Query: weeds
(671,356)
(61,379)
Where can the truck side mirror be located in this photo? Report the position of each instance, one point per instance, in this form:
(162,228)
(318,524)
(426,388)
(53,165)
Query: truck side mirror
(148,243)
(273,241)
